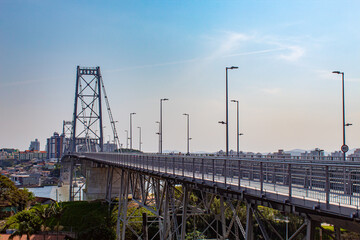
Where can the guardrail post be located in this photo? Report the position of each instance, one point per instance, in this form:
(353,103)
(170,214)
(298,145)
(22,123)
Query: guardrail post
(183,166)
(327,186)
(261,177)
(344,179)
(213,169)
(193,167)
(289,180)
(174,166)
(202,169)
(350,187)
(153,163)
(225,173)
(239,172)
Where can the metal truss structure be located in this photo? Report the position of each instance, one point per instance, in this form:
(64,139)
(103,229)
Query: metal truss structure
(168,209)
(86,129)
(87,117)
(67,133)
(174,196)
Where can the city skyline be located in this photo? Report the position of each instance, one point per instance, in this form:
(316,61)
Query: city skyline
(285,52)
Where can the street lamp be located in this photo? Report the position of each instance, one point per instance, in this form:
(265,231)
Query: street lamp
(188,137)
(131,129)
(344,147)
(127,139)
(240,134)
(227,110)
(237,132)
(222,122)
(160,132)
(139,138)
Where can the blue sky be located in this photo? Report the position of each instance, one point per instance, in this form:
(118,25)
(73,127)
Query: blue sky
(149,50)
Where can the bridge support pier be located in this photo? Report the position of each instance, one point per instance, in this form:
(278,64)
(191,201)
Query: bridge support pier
(102,183)
(110,172)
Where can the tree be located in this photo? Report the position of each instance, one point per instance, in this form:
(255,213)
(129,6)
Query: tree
(25,223)
(16,197)
(44,212)
(57,210)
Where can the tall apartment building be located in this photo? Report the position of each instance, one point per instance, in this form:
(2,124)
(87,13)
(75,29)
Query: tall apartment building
(34,145)
(54,146)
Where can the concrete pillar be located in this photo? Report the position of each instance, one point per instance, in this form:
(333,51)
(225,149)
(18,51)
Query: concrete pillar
(96,183)
(65,172)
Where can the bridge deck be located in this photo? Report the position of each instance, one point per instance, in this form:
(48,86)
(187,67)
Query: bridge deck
(333,188)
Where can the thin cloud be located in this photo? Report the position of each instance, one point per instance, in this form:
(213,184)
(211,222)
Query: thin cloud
(234,41)
(292,50)
(197,60)
(255,52)
(231,42)
(296,52)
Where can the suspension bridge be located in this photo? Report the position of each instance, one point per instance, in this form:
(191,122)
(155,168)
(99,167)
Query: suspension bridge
(319,191)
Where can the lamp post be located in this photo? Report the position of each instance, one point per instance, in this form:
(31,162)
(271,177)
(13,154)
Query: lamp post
(237,129)
(188,137)
(139,138)
(344,147)
(240,134)
(131,129)
(127,139)
(227,110)
(222,122)
(160,132)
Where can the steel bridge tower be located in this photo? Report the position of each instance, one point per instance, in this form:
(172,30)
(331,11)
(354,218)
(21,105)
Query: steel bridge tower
(67,134)
(87,130)
(87,124)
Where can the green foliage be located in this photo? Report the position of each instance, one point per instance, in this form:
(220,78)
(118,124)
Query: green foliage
(88,219)
(16,197)
(47,213)
(135,222)
(103,231)
(194,235)
(25,223)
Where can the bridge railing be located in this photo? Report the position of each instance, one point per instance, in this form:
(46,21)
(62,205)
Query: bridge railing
(271,157)
(336,183)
